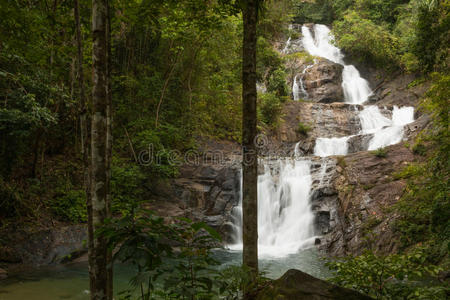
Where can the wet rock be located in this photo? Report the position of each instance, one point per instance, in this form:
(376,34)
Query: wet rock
(46,246)
(364,191)
(323,82)
(318,120)
(322,222)
(297,285)
(3,274)
(359,143)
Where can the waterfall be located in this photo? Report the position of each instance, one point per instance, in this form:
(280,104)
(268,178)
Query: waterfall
(285,218)
(385,131)
(356,89)
(284,213)
(295,89)
(286,47)
(331,146)
(299,91)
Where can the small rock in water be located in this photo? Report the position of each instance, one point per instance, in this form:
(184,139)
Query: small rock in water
(317,241)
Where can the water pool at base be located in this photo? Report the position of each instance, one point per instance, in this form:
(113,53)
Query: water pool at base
(71,281)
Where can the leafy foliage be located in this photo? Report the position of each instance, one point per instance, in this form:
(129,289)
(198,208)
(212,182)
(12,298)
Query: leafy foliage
(425,205)
(366,40)
(380,153)
(303,128)
(270,108)
(234,280)
(173,260)
(388,277)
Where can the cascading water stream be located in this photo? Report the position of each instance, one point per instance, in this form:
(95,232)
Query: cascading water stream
(385,131)
(298,90)
(331,146)
(295,89)
(285,217)
(356,89)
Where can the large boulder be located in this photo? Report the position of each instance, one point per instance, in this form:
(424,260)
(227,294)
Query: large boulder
(44,246)
(323,82)
(297,285)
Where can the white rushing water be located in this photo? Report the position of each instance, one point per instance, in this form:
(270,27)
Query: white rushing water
(285,218)
(284,214)
(331,146)
(295,89)
(356,89)
(385,131)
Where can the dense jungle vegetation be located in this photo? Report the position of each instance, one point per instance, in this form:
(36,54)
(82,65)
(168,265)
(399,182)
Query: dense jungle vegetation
(176,77)
(171,84)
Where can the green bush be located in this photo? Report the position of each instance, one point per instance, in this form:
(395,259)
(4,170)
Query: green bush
(127,185)
(303,128)
(389,277)
(320,11)
(277,83)
(380,153)
(70,206)
(269,109)
(366,41)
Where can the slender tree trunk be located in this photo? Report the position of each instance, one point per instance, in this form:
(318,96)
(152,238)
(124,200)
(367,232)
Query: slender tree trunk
(249,131)
(84,134)
(99,157)
(109,266)
(166,83)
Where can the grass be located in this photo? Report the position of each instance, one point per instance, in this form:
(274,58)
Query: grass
(303,128)
(380,153)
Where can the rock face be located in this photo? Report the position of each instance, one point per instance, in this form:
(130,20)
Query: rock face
(323,82)
(45,246)
(209,192)
(318,119)
(296,285)
(207,189)
(363,186)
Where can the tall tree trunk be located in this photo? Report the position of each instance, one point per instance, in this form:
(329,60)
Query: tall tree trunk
(109,266)
(99,153)
(84,134)
(249,131)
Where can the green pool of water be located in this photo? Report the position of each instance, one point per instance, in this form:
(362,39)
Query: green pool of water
(71,281)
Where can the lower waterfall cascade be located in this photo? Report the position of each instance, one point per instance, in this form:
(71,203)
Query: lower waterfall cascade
(285,216)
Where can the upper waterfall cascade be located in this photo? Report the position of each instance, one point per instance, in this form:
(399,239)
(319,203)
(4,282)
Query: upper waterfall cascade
(356,89)
(285,216)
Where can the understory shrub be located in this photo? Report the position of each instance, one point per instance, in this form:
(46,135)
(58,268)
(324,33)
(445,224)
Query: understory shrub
(406,276)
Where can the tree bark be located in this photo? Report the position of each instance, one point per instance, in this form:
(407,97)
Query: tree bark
(109,141)
(84,135)
(99,153)
(249,131)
